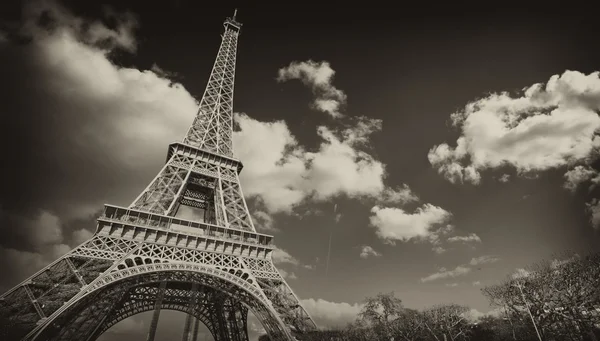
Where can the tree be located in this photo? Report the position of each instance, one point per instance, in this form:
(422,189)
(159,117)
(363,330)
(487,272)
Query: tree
(447,322)
(576,284)
(500,328)
(409,326)
(359,331)
(379,312)
(556,299)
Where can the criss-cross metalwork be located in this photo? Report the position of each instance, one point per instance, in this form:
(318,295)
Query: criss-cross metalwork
(186,243)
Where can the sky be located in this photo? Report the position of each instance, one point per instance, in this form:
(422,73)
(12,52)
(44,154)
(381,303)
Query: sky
(441,149)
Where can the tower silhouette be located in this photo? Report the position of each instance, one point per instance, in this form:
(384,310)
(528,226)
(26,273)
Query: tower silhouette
(186,243)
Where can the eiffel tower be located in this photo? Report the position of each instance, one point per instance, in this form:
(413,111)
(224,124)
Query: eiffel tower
(149,256)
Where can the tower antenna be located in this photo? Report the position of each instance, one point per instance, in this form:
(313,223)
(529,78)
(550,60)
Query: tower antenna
(234,13)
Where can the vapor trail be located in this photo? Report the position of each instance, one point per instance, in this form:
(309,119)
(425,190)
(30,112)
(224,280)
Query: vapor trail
(329,248)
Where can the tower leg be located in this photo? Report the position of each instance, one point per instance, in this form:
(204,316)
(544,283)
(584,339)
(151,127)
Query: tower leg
(186,328)
(195,332)
(156,315)
(189,317)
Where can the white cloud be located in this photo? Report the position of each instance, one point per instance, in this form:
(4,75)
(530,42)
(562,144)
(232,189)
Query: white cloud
(281,256)
(451,285)
(593,208)
(367,251)
(96,103)
(466,239)
(483,260)
(476,283)
(444,273)
(438,249)
(287,275)
(520,273)
(331,314)
(44,230)
(263,221)
(545,128)
(474,315)
(337,217)
(400,195)
(579,175)
(81,235)
(504,178)
(436,236)
(319,77)
(393,224)
(282,174)
(88,31)
(43,239)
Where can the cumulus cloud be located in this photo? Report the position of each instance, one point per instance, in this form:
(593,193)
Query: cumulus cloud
(579,175)
(282,174)
(437,235)
(81,235)
(287,275)
(30,247)
(94,122)
(42,230)
(319,76)
(395,224)
(445,273)
(263,221)
(483,260)
(547,127)
(465,239)
(280,256)
(91,32)
(504,178)
(331,314)
(367,251)
(95,118)
(476,283)
(399,195)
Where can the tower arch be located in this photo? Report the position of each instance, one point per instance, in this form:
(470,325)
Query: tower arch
(104,304)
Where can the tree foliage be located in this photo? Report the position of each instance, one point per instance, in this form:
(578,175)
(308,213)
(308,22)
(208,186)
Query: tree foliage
(559,297)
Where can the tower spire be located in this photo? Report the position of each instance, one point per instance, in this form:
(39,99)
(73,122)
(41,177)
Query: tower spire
(213,125)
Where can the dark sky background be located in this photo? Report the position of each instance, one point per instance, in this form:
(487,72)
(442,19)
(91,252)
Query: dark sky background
(411,67)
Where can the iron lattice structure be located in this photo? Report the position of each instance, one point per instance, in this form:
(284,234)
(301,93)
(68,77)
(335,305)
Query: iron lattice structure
(147,257)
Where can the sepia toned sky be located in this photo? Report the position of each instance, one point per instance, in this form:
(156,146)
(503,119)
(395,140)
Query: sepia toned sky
(441,149)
